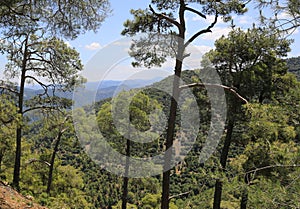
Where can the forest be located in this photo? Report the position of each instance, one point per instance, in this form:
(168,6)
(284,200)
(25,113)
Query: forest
(223,136)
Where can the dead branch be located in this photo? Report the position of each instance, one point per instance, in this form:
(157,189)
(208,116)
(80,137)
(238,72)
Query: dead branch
(227,88)
(178,195)
(37,161)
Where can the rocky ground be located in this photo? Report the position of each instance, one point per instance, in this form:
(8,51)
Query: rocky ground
(11,199)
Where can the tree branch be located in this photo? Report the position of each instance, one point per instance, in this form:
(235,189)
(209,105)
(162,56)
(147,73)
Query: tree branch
(178,195)
(196,12)
(44,86)
(39,161)
(7,121)
(272,166)
(207,30)
(9,89)
(162,16)
(227,88)
(39,107)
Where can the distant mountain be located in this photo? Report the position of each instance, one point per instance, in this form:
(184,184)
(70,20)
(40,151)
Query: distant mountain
(97,90)
(136,83)
(294,65)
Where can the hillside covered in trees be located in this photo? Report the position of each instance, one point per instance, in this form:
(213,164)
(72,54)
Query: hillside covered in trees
(187,141)
(294,66)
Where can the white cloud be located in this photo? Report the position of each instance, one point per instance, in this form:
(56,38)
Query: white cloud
(93,46)
(217,32)
(292,31)
(186,19)
(203,49)
(123,42)
(196,52)
(244,20)
(284,15)
(209,18)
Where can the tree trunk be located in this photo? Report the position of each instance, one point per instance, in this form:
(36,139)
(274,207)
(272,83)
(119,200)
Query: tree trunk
(17,166)
(218,194)
(244,198)
(1,158)
(173,111)
(50,175)
(223,160)
(126,178)
(171,127)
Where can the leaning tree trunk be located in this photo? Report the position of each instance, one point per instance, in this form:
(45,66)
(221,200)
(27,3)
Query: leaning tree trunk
(51,167)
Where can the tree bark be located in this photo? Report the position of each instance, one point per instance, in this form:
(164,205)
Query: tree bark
(171,125)
(1,158)
(173,110)
(244,199)
(51,167)
(17,166)
(126,178)
(223,160)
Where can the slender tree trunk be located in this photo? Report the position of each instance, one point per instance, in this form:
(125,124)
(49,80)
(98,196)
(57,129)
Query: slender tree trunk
(168,154)
(244,199)
(17,166)
(1,157)
(172,120)
(126,178)
(50,175)
(223,160)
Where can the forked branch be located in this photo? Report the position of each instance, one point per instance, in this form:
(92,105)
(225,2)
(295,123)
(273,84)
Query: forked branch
(207,30)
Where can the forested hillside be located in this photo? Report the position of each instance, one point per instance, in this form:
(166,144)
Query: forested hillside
(294,65)
(79,182)
(224,135)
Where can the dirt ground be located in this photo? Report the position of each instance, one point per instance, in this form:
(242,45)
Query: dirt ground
(10,199)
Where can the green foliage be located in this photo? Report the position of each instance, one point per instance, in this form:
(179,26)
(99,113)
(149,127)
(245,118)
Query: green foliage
(293,64)
(266,138)
(116,121)
(269,123)
(9,120)
(161,29)
(249,60)
(59,18)
(284,25)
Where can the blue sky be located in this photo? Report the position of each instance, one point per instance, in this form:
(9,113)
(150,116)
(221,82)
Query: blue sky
(90,44)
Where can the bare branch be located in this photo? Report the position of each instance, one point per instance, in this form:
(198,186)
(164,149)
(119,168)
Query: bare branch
(227,88)
(162,16)
(178,195)
(36,160)
(207,30)
(196,12)
(272,166)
